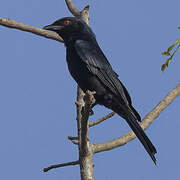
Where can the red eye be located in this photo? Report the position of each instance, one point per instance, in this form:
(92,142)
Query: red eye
(67,22)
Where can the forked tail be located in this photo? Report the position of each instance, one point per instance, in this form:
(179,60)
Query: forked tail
(134,125)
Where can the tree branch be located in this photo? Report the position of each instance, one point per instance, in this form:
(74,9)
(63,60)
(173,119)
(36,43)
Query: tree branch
(144,124)
(72,8)
(79,105)
(86,163)
(60,165)
(35,30)
(84,122)
(73,138)
(85,14)
(85,147)
(101,119)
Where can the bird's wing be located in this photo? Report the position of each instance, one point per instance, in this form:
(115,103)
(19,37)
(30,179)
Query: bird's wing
(98,65)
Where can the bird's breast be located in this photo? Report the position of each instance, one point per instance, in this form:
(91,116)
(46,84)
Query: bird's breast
(86,79)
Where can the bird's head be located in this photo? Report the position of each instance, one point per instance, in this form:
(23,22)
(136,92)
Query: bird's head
(70,28)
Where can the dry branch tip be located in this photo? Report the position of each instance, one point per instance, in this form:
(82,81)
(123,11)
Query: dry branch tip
(60,165)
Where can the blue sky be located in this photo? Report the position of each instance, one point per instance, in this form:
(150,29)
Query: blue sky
(37,94)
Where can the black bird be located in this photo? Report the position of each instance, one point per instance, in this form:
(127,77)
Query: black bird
(92,71)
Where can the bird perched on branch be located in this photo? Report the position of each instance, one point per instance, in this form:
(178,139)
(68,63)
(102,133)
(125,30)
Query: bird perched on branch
(92,71)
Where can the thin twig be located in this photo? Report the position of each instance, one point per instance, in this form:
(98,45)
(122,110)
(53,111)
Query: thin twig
(61,165)
(35,30)
(101,119)
(75,142)
(149,118)
(72,138)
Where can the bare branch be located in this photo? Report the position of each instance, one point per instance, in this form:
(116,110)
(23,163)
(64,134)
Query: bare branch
(84,122)
(85,148)
(35,30)
(79,105)
(72,8)
(85,157)
(101,119)
(60,165)
(72,138)
(85,14)
(144,124)
(160,107)
(75,142)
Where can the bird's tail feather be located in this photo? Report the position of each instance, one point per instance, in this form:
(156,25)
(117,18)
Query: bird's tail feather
(134,125)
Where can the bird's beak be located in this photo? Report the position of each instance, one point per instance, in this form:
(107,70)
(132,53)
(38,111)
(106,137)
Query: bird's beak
(53,27)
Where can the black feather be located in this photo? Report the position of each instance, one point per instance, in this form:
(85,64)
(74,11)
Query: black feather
(92,71)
